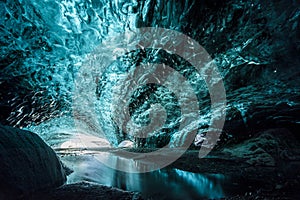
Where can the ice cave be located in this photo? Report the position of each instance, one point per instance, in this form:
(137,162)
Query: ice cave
(150,99)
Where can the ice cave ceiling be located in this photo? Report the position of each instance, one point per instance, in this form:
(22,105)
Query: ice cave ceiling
(255,45)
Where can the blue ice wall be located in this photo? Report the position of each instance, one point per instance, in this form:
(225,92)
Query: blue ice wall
(255,45)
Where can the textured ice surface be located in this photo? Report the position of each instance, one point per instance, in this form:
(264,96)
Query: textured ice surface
(255,45)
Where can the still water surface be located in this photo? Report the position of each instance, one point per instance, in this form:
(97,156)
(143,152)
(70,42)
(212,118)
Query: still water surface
(167,183)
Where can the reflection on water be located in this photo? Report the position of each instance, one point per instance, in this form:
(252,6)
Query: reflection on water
(161,184)
(85,154)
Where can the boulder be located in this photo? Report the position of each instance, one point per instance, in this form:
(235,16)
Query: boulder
(267,148)
(27,164)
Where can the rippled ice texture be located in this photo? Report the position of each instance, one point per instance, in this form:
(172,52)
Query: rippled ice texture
(255,45)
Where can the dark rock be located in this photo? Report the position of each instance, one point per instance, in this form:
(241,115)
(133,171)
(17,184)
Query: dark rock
(266,148)
(234,124)
(281,115)
(86,191)
(27,164)
(243,75)
(67,170)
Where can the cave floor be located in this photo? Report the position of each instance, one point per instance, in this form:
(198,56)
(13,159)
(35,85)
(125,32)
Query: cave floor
(266,166)
(247,181)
